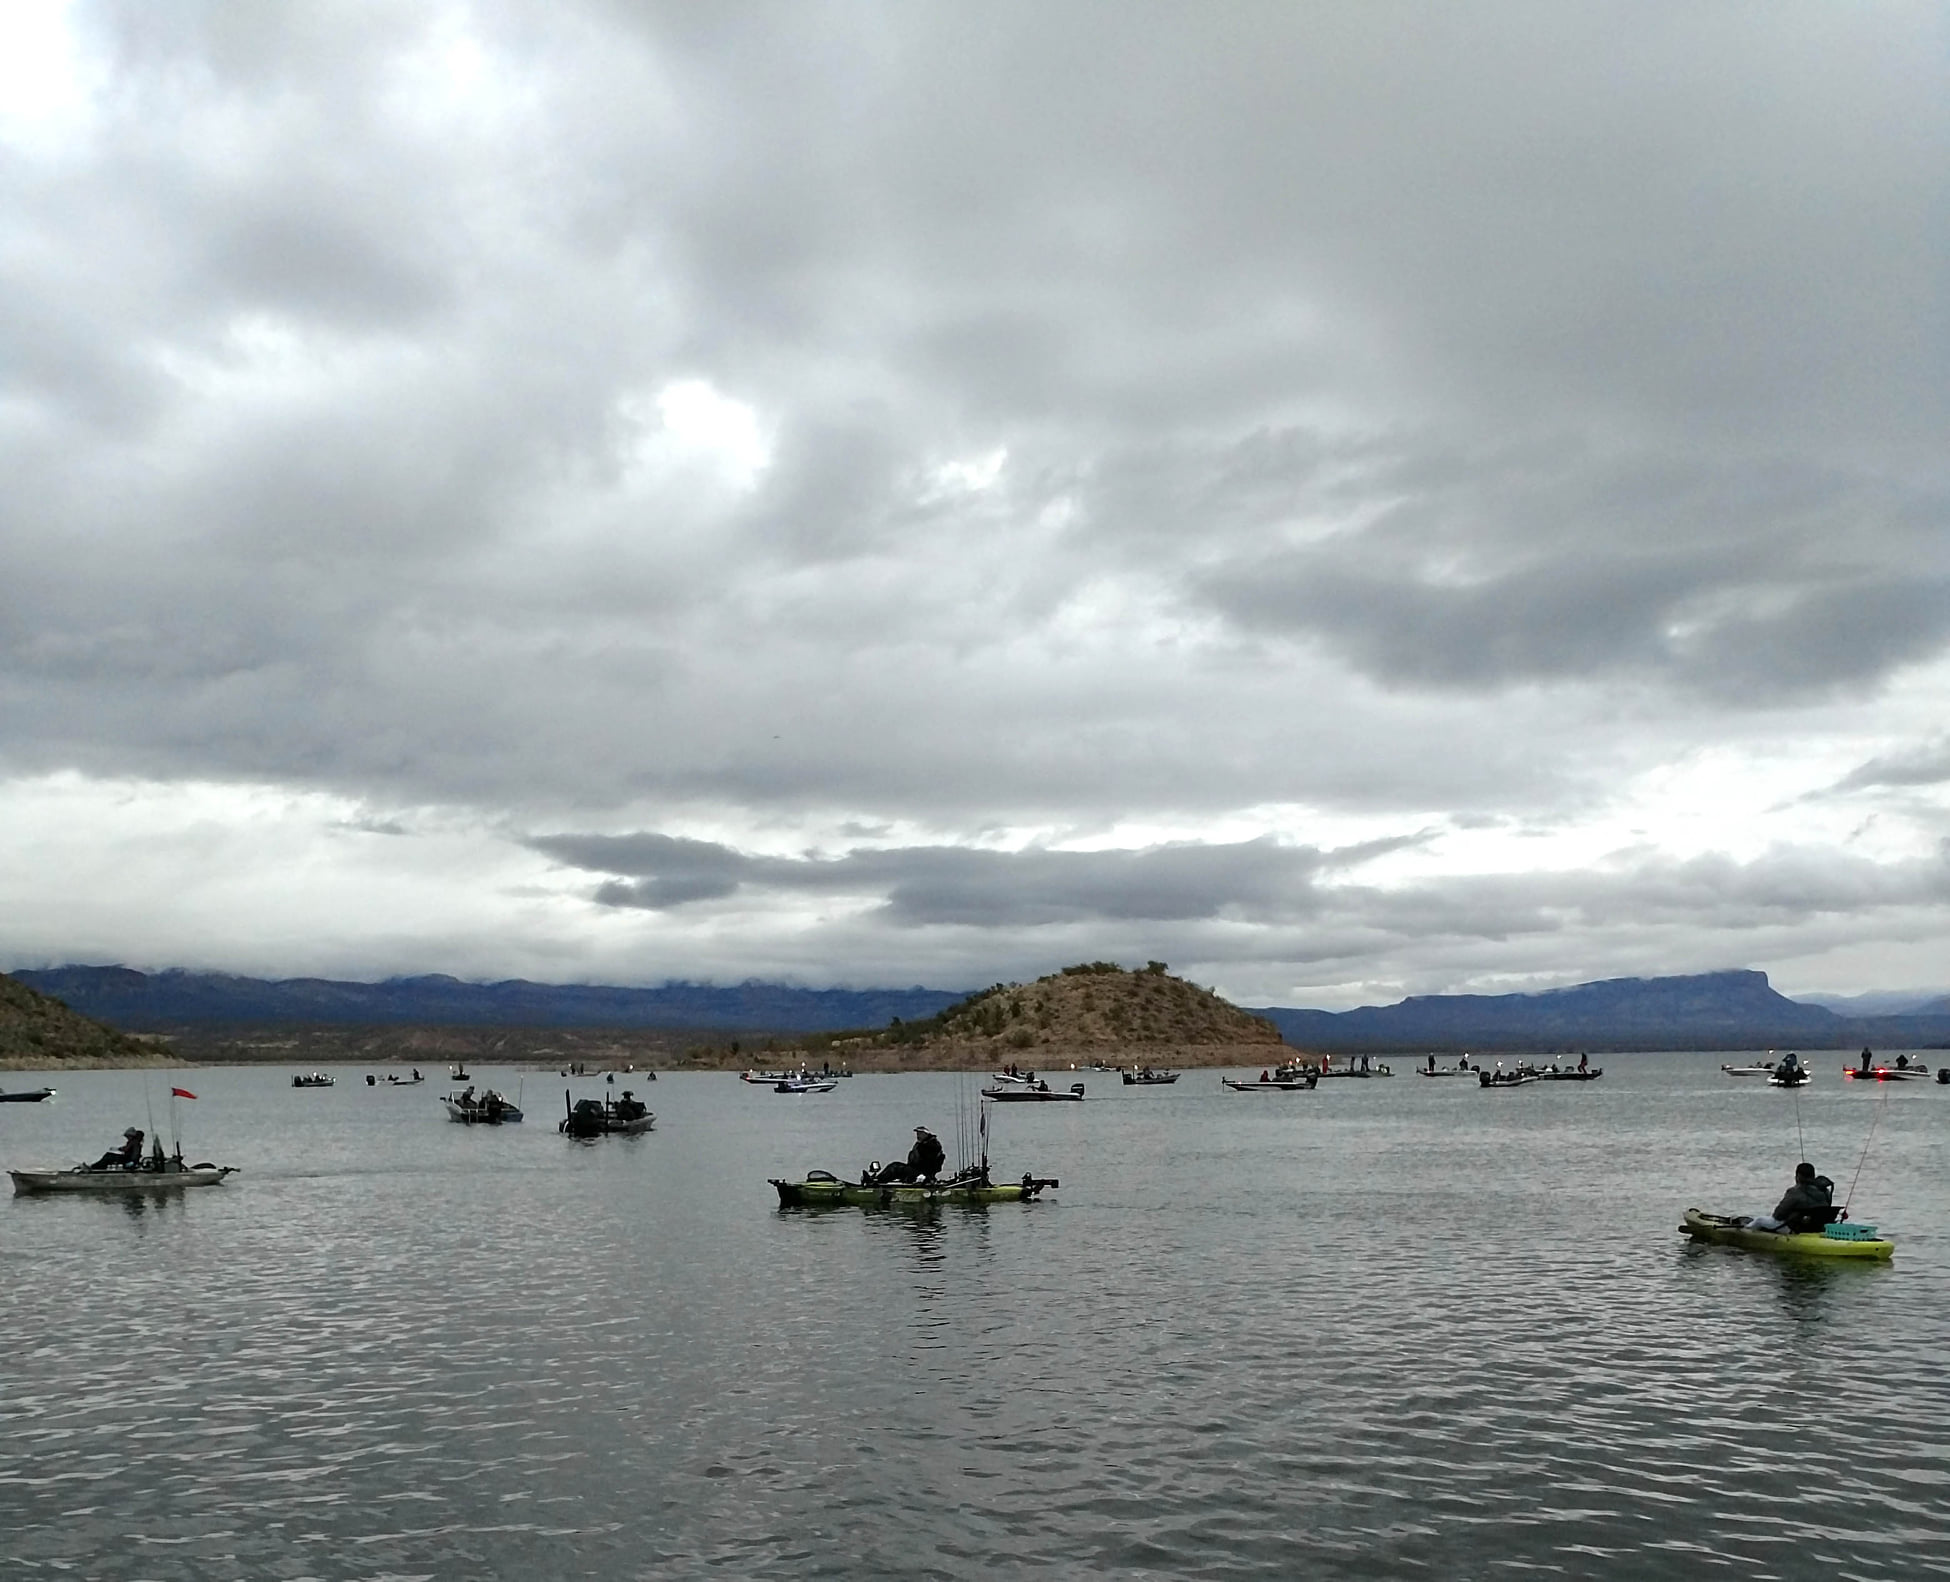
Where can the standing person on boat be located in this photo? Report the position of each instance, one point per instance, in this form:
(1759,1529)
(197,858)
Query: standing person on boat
(923,1163)
(1584,1062)
(1804,1208)
(126,1157)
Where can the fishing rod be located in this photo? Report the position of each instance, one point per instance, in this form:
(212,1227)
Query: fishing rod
(1881,1104)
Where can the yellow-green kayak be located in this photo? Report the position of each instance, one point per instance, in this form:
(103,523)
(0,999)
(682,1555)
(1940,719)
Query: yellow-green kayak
(1839,1241)
(823,1189)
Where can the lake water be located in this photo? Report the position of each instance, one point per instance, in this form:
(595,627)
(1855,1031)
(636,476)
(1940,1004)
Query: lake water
(1392,1328)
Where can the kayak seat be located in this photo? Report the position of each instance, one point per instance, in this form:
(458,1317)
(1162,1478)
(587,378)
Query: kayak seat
(1814,1221)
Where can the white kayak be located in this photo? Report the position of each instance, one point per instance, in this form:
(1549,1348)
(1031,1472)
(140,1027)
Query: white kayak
(173,1173)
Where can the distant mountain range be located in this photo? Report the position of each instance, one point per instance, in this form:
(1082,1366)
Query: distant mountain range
(154,1002)
(1713,1010)
(1716,1010)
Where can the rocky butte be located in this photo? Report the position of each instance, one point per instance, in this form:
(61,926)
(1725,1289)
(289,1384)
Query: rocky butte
(1096,1011)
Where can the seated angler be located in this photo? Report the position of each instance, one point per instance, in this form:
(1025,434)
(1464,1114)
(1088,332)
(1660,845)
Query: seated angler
(923,1163)
(125,1157)
(1805,1207)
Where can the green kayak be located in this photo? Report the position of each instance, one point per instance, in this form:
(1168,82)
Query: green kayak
(823,1189)
(1845,1240)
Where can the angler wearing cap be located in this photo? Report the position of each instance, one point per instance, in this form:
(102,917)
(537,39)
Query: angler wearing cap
(126,1157)
(924,1160)
(1807,1206)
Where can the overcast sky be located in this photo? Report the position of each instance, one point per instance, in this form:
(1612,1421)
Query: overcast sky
(1348,499)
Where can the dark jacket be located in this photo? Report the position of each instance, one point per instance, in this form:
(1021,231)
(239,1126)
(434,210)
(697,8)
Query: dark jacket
(926,1157)
(1807,1205)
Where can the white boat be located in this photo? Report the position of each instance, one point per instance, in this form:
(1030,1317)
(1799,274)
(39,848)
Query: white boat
(312,1079)
(1787,1072)
(805,1085)
(1287,1079)
(1041,1093)
(1515,1077)
(156,1173)
(489,1109)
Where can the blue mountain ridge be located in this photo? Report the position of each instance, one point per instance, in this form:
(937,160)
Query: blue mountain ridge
(148,1002)
(1715,1010)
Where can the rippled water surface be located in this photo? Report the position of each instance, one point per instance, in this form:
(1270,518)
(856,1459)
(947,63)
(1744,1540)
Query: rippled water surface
(1392,1328)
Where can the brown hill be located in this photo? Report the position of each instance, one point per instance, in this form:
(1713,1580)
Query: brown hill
(38,1032)
(1093,1012)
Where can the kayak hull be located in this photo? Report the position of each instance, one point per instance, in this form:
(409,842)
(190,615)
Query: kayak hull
(1702,1226)
(30,1183)
(821,1191)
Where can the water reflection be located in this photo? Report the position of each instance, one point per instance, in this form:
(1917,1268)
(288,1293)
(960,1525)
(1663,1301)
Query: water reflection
(1808,1287)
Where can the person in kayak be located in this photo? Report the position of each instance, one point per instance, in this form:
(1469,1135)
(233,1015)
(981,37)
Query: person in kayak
(923,1163)
(126,1157)
(1804,1208)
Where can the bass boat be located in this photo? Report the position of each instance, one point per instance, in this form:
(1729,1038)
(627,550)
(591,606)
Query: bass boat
(1902,1069)
(312,1079)
(1041,1093)
(158,1172)
(489,1109)
(27,1096)
(623,1117)
(1145,1077)
(1844,1239)
(1281,1079)
(1500,1078)
(805,1085)
(1787,1072)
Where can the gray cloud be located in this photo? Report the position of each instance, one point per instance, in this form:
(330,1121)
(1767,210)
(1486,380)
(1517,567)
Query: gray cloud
(1394,418)
(959,885)
(1926,765)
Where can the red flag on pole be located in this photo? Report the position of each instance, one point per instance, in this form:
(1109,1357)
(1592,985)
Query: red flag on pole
(181,1093)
